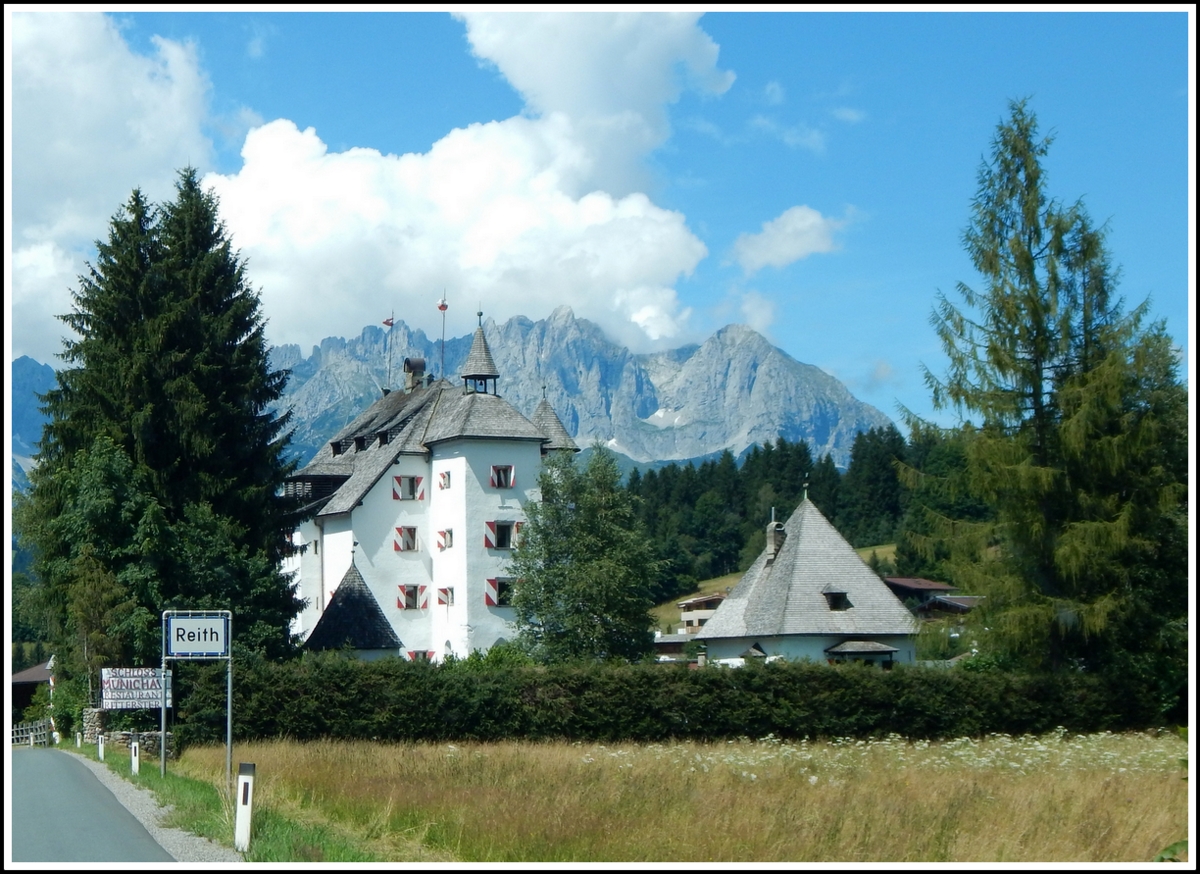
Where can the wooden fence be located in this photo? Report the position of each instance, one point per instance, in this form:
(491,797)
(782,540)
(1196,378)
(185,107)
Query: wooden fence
(30,733)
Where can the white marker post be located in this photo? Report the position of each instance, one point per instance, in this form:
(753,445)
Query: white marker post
(245,807)
(78,738)
(133,754)
(100,746)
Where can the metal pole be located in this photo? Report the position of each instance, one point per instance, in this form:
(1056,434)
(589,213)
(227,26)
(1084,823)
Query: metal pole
(162,738)
(229,721)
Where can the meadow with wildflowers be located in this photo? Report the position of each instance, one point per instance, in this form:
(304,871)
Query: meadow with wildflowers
(1058,797)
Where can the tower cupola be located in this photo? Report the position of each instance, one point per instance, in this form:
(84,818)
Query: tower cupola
(479,367)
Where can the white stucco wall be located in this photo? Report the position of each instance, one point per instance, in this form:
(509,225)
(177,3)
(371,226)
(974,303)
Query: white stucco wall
(801,646)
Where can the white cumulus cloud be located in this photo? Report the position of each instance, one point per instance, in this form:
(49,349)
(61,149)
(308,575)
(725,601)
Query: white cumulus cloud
(612,73)
(336,240)
(519,215)
(795,234)
(91,121)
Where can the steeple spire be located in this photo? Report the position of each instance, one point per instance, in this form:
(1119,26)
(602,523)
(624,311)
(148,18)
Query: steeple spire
(479,367)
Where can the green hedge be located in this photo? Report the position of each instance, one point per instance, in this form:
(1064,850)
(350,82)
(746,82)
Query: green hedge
(331,695)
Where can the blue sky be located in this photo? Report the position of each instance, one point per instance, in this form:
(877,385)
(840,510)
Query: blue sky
(809,174)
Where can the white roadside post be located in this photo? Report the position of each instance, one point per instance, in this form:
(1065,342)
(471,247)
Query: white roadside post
(133,754)
(78,738)
(245,806)
(100,746)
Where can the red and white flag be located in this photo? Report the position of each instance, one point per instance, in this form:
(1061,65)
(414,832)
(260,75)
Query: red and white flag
(388,322)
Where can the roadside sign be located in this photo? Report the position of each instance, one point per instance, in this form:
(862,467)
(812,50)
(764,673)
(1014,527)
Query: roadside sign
(199,634)
(133,688)
(196,635)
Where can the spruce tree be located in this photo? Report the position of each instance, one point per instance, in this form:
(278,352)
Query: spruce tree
(1073,432)
(161,465)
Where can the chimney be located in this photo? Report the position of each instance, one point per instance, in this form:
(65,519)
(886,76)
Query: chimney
(775,537)
(414,370)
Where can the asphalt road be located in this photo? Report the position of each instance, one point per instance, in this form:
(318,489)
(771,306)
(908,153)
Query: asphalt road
(62,813)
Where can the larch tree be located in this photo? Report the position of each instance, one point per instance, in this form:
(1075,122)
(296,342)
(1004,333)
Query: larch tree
(160,468)
(584,566)
(1074,435)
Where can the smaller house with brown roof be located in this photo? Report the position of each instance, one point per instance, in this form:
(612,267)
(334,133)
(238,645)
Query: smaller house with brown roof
(917,591)
(810,596)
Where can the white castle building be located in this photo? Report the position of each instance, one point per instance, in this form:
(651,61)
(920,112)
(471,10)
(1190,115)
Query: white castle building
(414,509)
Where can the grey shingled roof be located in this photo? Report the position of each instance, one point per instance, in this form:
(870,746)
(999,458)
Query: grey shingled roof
(476,414)
(860,647)
(479,364)
(785,596)
(353,618)
(547,421)
(414,421)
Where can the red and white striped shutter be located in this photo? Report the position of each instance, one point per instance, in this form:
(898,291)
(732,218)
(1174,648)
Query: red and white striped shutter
(489,535)
(493,476)
(400,599)
(423,597)
(396,489)
(441,540)
(512,477)
(397,545)
(412,655)
(431,654)
(443,478)
(490,598)
(419,489)
(443,597)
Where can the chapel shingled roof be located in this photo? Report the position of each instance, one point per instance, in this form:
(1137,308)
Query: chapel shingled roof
(353,618)
(786,594)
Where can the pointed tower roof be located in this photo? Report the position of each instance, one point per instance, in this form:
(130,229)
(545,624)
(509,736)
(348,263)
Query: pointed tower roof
(814,584)
(479,363)
(353,618)
(547,421)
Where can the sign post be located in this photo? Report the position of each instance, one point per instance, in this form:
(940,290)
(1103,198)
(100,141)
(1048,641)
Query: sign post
(199,634)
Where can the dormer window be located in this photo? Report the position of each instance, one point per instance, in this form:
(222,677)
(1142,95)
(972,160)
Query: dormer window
(384,438)
(336,447)
(838,601)
(360,443)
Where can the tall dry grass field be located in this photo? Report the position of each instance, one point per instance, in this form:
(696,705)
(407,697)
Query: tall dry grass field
(1057,798)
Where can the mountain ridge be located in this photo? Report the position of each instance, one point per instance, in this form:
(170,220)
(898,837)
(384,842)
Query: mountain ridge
(732,391)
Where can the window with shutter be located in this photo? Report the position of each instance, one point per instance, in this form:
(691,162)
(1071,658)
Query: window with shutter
(446,597)
(408,599)
(445,539)
(498,535)
(444,479)
(503,476)
(407,488)
(406,540)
